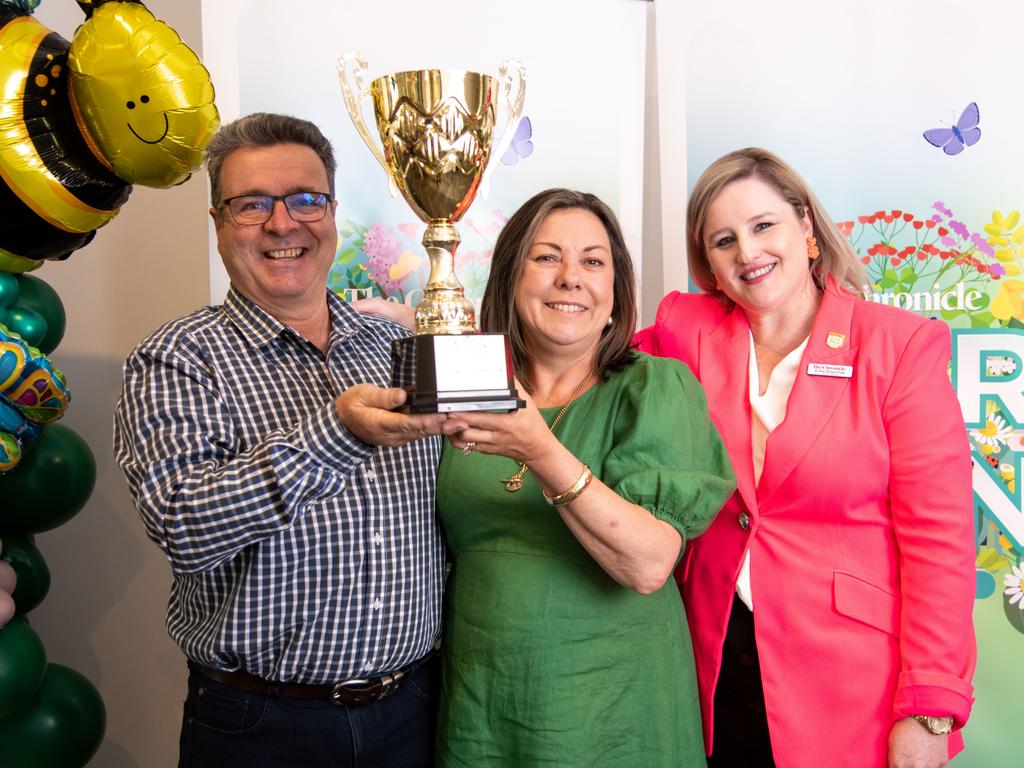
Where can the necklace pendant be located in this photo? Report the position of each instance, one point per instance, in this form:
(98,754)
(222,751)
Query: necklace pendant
(513,484)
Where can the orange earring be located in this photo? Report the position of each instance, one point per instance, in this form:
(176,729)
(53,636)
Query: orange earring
(812,249)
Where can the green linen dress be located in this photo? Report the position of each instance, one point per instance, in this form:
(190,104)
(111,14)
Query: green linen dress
(546,660)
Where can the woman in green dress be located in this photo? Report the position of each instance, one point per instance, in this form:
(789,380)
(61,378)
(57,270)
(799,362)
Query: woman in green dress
(565,641)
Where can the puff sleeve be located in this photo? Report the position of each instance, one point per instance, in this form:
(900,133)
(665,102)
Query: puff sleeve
(665,454)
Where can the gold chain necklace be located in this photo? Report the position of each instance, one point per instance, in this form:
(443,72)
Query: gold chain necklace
(515,482)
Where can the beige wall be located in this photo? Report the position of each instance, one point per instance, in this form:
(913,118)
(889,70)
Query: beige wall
(104,615)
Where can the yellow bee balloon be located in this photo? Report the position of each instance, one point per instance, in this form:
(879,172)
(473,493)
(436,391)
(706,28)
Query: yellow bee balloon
(125,102)
(145,99)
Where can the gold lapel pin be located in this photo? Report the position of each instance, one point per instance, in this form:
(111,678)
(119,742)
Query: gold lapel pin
(834,340)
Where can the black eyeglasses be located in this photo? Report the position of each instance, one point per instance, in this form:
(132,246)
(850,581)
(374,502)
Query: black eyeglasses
(257,209)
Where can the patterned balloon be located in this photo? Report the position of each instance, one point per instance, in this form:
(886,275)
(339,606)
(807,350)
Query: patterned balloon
(32,393)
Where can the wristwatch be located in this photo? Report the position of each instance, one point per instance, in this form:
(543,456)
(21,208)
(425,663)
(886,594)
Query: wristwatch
(937,726)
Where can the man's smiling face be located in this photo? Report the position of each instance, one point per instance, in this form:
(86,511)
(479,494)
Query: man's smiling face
(282,264)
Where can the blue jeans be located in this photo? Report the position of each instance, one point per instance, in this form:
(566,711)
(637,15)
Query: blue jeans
(224,727)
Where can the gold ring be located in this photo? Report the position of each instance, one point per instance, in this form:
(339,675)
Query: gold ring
(468,448)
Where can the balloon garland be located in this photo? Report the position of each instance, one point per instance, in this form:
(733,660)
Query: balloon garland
(125,102)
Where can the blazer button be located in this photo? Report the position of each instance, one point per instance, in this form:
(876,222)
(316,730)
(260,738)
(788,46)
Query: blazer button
(744,521)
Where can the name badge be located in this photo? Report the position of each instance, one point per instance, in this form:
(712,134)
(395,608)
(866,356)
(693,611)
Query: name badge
(824,369)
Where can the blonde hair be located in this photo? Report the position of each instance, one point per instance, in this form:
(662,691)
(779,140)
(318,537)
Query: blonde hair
(838,260)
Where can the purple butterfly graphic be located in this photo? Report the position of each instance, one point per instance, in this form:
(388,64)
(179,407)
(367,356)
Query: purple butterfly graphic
(965,133)
(521,146)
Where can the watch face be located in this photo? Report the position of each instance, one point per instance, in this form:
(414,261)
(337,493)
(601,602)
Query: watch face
(939,726)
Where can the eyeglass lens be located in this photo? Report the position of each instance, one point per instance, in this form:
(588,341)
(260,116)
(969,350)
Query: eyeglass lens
(257,209)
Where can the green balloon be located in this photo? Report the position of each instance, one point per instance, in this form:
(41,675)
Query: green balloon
(8,289)
(62,727)
(22,665)
(50,484)
(33,574)
(37,295)
(28,324)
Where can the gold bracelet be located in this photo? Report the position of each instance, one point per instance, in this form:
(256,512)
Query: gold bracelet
(570,494)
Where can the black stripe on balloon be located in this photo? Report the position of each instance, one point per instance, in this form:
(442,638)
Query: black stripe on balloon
(25,234)
(55,135)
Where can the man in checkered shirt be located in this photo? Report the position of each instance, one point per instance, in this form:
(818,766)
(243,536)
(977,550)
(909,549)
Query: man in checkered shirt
(295,505)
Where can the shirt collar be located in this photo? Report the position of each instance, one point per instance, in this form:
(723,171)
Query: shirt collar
(259,328)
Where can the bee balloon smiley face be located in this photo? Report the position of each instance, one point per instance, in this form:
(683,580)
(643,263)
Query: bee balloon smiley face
(126,102)
(144,97)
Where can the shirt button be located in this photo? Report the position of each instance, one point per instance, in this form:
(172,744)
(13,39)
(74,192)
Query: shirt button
(377,538)
(371,475)
(744,519)
(377,604)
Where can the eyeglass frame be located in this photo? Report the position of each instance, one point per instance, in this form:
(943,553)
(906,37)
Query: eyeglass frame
(224,206)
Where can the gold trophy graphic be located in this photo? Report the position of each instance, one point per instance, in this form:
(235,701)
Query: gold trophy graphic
(435,128)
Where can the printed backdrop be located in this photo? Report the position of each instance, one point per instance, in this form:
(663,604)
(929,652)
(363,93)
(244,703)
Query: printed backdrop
(584,109)
(905,118)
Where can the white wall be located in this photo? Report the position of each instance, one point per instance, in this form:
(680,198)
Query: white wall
(105,612)
(664,241)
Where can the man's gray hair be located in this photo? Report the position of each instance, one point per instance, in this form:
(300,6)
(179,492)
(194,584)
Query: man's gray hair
(266,129)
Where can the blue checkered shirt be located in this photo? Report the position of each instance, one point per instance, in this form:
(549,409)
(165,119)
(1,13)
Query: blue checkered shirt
(299,553)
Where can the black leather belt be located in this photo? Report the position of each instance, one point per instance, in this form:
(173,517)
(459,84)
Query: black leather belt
(347,693)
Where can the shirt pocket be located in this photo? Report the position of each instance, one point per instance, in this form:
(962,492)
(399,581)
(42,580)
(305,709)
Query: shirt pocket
(868,603)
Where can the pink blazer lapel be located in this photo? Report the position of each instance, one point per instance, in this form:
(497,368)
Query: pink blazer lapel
(723,356)
(815,394)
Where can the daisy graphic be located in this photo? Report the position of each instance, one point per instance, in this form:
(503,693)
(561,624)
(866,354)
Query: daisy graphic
(996,432)
(1012,582)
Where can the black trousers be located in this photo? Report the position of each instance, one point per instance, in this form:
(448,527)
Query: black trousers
(741,737)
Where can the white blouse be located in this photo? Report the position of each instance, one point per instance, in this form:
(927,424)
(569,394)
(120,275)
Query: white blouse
(767,411)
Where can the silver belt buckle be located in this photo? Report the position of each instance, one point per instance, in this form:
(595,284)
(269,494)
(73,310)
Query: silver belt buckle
(360,684)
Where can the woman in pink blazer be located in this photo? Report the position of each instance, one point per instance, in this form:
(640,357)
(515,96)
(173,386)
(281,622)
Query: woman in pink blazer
(830,601)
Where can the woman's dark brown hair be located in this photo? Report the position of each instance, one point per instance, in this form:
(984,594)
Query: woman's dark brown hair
(498,311)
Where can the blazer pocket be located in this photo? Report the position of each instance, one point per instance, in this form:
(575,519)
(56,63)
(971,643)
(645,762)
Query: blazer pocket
(866,602)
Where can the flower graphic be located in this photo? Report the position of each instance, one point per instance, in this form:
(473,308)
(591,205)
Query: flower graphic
(996,432)
(1009,302)
(385,259)
(907,254)
(1004,241)
(1012,584)
(1016,441)
(1003,229)
(388,264)
(408,262)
